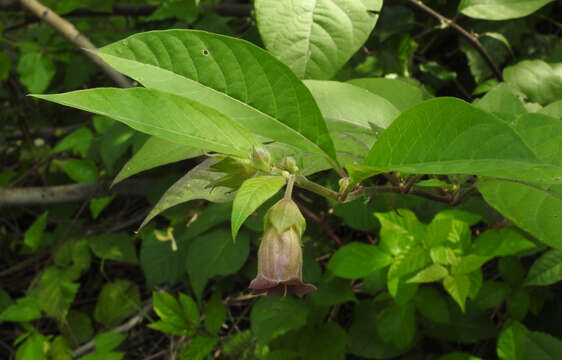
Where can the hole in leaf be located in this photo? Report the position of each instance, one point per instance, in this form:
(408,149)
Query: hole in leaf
(205,52)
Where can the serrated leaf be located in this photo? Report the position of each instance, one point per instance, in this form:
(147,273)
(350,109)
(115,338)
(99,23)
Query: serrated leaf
(79,142)
(122,292)
(156,152)
(400,229)
(315,38)
(431,273)
(116,246)
(34,233)
(492,294)
(56,290)
(82,171)
(180,315)
(241,80)
(25,309)
(397,325)
(432,305)
(500,9)
(517,343)
(272,317)
(36,70)
(199,348)
(356,260)
(196,184)
(546,270)
(458,286)
(176,118)
(250,196)
(420,141)
(409,260)
(214,253)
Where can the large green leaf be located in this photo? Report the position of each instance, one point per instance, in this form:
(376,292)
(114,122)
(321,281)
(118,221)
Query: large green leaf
(214,253)
(352,115)
(398,92)
(156,152)
(315,37)
(356,260)
(500,9)
(517,343)
(546,270)
(251,195)
(536,79)
(169,116)
(449,136)
(272,317)
(534,209)
(36,70)
(196,184)
(241,80)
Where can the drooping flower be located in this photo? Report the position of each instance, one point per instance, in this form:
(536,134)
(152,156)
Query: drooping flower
(280,253)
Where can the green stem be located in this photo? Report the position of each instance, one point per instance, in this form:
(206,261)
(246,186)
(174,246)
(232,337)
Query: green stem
(289,188)
(304,183)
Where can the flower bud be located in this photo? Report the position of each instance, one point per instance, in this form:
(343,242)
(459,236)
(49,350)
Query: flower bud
(261,159)
(280,253)
(290,165)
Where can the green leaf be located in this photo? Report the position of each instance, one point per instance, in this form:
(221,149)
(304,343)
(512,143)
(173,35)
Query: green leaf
(397,325)
(458,286)
(79,142)
(56,290)
(500,9)
(512,270)
(536,79)
(214,253)
(159,262)
(98,204)
(315,38)
(364,340)
(348,111)
(34,233)
(103,356)
(501,99)
(553,109)
(432,305)
(399,93)
(492,294)
(156,152)
(82,171)
(250,196)
(177,118)
(244,82)
(357,260)
(517,343)
(518,304)
(59,349)
(178,317)
(327,342)
(199,348)
(420,141)
(36,70)
(25,309)
(122,292)
(535,209)
(116,246)
(432,273)
(332,291)
(196,184)
(400,229)
(185,10)
(32,349)
(215,314)
(105,342)
(546,270)
(409,260)
(506,242)
(77,327)
(272,317)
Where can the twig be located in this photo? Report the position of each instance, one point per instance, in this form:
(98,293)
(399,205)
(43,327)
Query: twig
(397,190)
(131,323)
(473,40)
(322,223)
(76,37)
(44,195)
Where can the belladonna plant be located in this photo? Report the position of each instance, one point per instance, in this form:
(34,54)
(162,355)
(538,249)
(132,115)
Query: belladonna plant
(280,252)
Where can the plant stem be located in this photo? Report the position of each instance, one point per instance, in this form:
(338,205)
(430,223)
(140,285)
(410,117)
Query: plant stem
(304,183)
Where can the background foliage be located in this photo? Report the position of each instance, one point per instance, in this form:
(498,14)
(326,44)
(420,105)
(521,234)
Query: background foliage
(445,116)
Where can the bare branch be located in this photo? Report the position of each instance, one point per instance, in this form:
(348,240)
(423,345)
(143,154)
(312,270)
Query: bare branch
(76,37)
(46,195)
(472,40)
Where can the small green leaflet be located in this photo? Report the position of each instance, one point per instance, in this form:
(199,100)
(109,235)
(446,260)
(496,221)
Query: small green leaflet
(250,196)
